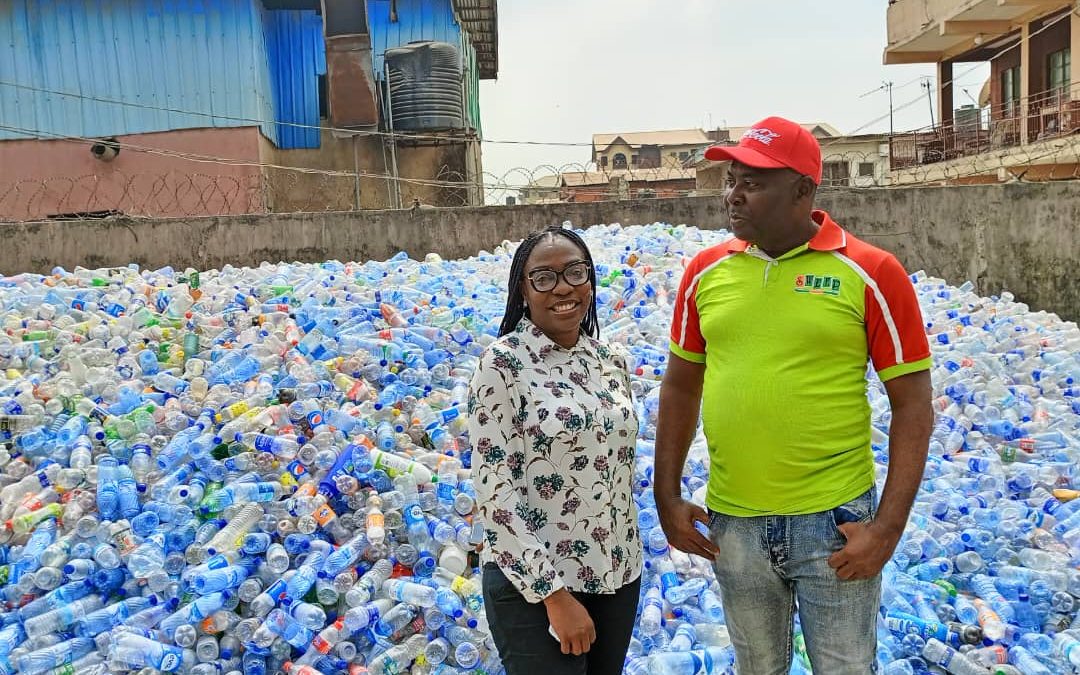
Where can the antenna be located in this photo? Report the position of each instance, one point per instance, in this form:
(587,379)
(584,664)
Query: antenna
(925,84)
(887,86)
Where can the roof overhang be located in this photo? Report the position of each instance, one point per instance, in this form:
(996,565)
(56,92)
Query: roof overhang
(480,18)
(933,31)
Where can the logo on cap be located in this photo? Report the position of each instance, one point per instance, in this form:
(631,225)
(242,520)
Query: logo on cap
(763,136)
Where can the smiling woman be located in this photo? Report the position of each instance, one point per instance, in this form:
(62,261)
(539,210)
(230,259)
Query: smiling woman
(557,265)
(553,430)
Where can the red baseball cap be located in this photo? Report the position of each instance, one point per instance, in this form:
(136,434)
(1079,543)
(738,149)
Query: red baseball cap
(774,143)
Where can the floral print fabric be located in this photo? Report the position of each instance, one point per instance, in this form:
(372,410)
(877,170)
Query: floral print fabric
(554,432)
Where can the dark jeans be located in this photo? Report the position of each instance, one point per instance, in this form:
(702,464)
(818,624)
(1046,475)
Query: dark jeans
(520,629)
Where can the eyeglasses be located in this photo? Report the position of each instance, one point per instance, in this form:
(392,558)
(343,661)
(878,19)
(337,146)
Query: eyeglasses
(575,274)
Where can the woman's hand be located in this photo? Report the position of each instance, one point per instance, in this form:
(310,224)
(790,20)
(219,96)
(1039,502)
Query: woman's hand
(571,622)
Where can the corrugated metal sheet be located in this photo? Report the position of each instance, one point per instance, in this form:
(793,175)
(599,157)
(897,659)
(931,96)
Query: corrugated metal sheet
(296,54)
(206,56)
(426,20)
(416,20)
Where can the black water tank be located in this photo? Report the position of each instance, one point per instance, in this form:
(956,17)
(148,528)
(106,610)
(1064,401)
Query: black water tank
(425,87)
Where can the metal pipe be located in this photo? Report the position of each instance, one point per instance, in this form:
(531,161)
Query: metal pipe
(392,139)
(356,176)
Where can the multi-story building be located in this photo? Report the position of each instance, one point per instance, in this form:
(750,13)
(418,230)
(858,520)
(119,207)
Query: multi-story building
(646,149)
(155,108)
(1025,121)
(847,161)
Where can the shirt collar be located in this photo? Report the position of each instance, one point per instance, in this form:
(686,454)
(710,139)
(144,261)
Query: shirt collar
(537,340)
(829,237)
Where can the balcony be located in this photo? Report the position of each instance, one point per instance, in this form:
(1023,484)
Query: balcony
(1044,116)
(932,31)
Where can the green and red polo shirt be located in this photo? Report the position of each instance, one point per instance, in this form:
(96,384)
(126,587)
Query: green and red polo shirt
(785,343)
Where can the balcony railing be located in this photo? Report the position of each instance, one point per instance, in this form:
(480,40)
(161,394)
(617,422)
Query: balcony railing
(1047,115)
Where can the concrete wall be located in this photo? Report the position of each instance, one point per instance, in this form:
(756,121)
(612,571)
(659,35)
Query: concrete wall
(290,191)
(1022,237)
(42,178)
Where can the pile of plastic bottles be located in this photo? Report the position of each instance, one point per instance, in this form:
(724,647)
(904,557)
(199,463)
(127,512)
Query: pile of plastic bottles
(266,470)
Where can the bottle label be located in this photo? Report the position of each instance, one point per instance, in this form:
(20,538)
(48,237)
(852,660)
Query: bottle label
(323,515)
(170,661)
(668,580)
(64,668)
(264,443)
(296,468)
(320,644)
(414,515)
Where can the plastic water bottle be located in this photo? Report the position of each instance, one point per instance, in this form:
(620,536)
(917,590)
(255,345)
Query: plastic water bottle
(702,662)
(652,612)
(251,446)
(948,658)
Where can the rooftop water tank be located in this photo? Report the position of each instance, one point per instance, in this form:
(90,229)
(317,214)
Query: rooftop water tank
(425,87)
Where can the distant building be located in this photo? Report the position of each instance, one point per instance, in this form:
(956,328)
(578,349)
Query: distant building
(646,149)
(256,82)
(595,186)
(543,190)
(847,161)
(1025,120)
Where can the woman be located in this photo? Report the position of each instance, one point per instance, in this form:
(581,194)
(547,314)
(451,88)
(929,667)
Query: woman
(553,430)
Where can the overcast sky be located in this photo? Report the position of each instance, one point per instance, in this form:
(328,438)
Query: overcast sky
(571,68)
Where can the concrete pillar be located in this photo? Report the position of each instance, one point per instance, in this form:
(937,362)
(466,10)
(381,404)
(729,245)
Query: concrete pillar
(1074,46)
(619,188)
(1025,80)
(945,93)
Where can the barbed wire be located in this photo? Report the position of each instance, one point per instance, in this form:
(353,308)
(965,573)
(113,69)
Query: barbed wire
(270,189)
(177,194)
(199,194)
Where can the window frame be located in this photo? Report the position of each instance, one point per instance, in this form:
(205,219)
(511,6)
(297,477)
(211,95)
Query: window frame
(1010,91)
(1062,69)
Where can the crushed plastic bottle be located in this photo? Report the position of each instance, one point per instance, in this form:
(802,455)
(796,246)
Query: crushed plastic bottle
(266,469)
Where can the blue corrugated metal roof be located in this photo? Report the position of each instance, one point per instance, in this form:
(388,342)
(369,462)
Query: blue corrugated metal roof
(206,56)
(296,54)
(417,20)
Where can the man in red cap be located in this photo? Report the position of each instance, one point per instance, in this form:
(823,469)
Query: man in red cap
(772,333)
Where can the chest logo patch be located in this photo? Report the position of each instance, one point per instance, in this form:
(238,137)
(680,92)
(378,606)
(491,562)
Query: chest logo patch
(817,284)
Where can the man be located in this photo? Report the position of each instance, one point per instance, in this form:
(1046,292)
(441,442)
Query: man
(772,334)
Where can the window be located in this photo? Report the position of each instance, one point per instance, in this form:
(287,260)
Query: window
(324,104)
(683,156)
(634,160)
(674,154)
(1059,66)
(603,160)
(866,169)
(618,161)
(835,173)
(1010,91)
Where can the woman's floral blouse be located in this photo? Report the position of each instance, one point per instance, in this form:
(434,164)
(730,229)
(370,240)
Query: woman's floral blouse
(553,432)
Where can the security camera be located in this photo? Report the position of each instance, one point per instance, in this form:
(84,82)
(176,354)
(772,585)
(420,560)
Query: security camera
(106,149)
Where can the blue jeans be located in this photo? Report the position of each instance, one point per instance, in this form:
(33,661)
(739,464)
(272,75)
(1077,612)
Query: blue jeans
(770,565)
